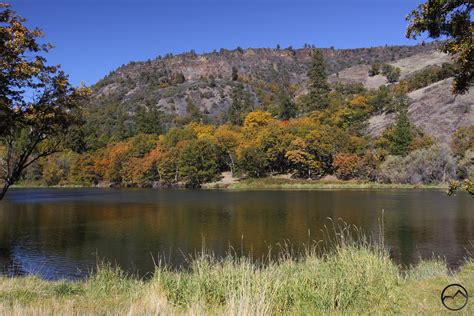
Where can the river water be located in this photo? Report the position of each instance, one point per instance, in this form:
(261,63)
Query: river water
(63,233)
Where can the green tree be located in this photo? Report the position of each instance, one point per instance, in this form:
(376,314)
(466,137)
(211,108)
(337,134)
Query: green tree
(120,129)
(198,162)
(149,120)
(450,20)
(241,105)
(402,135)
(253,161)
(318,85)
(38,106)
(286,106)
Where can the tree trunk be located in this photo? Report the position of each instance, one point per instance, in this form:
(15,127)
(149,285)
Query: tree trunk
(231,165)
(4,190)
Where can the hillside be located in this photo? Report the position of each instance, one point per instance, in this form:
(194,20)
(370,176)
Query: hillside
(433,109)
(184,86)
(207,79)
(408,66)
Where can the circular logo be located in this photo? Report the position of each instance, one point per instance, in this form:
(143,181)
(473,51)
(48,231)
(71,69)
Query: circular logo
(454,297)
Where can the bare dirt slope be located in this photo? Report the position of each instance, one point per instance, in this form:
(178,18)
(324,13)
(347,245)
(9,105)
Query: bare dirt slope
(408,67)
(412,64)
(433,109)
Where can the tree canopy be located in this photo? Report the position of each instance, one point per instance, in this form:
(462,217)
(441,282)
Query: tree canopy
(37,103)
(449,20)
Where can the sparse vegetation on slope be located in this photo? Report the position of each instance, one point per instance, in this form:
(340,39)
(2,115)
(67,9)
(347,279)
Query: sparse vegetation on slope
(216,84)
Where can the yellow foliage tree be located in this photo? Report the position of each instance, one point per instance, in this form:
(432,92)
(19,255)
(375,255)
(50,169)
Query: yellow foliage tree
(258,119)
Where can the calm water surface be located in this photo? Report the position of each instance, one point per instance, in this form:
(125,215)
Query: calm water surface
(61,233)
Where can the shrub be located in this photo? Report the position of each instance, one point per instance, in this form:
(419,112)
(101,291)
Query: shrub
(466,165)
(392,73)
(374,69)
(433,165)
(462,140)
(393,170)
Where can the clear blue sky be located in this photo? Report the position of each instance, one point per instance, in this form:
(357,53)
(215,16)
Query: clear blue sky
(92,38)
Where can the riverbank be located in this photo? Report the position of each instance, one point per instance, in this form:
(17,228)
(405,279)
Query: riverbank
(354,278)
(295,184)
(269,183)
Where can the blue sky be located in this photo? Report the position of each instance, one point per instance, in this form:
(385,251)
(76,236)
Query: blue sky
(92,38)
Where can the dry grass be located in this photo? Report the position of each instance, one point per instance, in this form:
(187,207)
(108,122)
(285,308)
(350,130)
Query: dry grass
(300,184)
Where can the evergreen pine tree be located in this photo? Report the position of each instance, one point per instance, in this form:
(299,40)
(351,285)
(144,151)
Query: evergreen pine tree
(149,120)
(241,105)
(120,129)
(402,135)
(318,85)
(286,107)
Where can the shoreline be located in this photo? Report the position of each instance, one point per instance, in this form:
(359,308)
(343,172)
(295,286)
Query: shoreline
(289,184)
(269,183)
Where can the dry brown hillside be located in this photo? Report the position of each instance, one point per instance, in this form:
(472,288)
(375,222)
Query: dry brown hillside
(408,66)
(433,109)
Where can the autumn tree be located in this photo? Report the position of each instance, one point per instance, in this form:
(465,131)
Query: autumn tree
(466,185)
(228,139)
(258,119)
(450,20)
(324,143)
(347,166)
(38,106)
(301,159)
(84,171)
(318,85)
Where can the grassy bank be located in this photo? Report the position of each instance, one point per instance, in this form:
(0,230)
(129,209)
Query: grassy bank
(351,278)
(296,184)
(272,183)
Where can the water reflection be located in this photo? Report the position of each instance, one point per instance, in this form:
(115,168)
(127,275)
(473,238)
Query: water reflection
(62,232)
